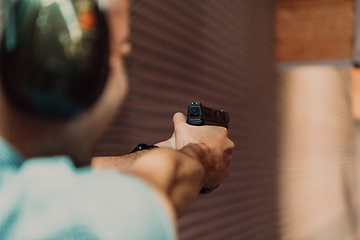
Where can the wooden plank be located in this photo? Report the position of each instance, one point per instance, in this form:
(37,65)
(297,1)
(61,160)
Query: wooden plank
(309,1)
(314,30)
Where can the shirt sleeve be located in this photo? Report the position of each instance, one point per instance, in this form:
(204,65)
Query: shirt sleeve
(51,199)
(125,206)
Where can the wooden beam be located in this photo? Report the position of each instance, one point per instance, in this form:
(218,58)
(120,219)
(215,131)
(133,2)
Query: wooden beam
(314,30)
(309,1)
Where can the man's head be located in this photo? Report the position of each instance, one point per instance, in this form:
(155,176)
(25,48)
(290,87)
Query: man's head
(76,136)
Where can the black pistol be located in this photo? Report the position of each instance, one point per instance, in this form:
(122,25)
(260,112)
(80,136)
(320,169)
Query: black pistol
(199,115)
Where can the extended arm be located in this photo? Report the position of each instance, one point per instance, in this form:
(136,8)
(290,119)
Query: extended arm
(176,175)
(202,160)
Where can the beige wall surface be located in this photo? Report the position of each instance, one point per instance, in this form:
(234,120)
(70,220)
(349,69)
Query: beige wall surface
(318,177)
(355,81)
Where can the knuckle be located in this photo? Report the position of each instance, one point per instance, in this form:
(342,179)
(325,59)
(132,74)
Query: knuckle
(177,114)
(231,144)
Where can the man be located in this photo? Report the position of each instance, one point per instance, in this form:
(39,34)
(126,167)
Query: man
(43,196)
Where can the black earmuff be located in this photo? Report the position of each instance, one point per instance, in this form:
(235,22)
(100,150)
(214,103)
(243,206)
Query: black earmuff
(54,56)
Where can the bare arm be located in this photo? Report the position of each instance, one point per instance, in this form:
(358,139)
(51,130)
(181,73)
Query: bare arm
(177,175)
(202,160)
(125,161)
(119,163)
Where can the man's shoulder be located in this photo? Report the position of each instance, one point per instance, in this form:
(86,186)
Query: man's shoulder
(105,203)
(57,176)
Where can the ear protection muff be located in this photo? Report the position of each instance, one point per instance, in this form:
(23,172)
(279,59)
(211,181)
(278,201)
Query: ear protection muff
(54,56)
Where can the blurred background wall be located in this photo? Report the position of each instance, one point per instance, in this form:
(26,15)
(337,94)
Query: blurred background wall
(220,53)
(283,69)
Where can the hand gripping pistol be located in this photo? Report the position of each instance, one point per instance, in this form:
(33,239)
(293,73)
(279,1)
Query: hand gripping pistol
(198,115)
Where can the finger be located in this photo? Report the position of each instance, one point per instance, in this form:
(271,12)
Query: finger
(179,118)
(170,143)
(231,144)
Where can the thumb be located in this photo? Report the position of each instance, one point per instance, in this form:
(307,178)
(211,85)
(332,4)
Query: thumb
(179,118)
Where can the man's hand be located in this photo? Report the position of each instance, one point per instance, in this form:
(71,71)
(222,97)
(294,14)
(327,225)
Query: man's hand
(202,160)
(216,148)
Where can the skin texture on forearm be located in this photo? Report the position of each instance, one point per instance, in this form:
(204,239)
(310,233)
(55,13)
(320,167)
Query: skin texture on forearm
(125,161)
(194,157)
(119,163)
(178,175)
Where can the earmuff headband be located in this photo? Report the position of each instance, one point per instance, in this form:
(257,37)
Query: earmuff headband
(54,56)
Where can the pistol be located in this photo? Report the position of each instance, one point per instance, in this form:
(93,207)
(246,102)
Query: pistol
(199,115)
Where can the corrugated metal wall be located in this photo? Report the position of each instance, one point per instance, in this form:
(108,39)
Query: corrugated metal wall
(220,53)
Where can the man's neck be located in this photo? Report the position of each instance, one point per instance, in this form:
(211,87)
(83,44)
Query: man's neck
(22,131)
(35,136)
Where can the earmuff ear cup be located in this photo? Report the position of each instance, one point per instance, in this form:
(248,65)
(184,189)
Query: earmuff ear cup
(59,64)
